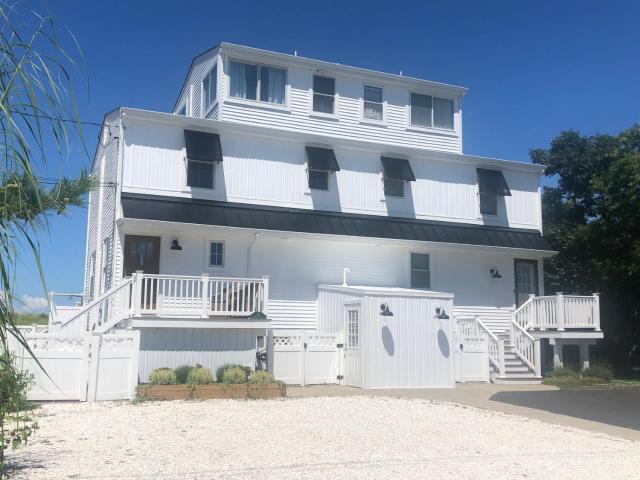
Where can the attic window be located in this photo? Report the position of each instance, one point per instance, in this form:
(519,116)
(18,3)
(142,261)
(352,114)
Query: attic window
(262,83)
(397,171)
(203,150)
(321,162)
(491,185)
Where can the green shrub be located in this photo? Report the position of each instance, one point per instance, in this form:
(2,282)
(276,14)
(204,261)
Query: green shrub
(262,377)
(600,371)
(163,376)
(222,368)
(199,376)
(563,372)
(182,373)
(234,375)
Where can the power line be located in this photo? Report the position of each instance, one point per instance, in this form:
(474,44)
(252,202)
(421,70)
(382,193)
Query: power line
(64,120)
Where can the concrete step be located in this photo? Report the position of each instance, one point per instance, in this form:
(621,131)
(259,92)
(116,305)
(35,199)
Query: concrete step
(519,380)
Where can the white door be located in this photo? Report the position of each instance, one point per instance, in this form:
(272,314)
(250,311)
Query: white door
(352,358)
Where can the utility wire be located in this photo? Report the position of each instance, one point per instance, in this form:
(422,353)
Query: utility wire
(66,120)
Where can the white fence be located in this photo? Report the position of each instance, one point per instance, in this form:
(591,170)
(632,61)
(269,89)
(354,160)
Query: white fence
(83,367)
(307,358)
(471,351)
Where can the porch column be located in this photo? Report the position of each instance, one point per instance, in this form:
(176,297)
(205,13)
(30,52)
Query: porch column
(557,353)
(584,355)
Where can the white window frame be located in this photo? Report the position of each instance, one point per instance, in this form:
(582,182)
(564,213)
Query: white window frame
(208,253)
(352,305)
(92,275)
(203,108)
(105,268)
(430,265)
(363,119)
(257,102)
(336,97)
(440,131)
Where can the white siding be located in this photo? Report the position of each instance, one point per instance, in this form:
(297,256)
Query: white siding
(173,347)
(287,314)
(331,316)
(262,170)
(191,94)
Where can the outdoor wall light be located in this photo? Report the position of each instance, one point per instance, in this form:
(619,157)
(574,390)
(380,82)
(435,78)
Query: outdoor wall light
(495,273)
(441,314)
(384,310)
(175,245)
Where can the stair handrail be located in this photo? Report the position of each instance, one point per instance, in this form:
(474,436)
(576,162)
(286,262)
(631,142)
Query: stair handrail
(522,310)
(495,345)
(98,300)
(526,347)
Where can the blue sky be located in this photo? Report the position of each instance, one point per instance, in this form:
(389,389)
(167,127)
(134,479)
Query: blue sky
(533,69)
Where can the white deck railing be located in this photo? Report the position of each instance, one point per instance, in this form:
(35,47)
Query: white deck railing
(474,326)
(559,312)
(526,347)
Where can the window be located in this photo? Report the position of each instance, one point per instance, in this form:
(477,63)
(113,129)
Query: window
(491,185)
(420,274)
(321,161)
(203,152)
(209,89)
(183,111)
(92,275)
(318,179)
(393,187)
(396,172)
(324,93)
(352,328)
(253,82)
(431,112)
(200,174)
(372,106)
(216,254)
(105,282)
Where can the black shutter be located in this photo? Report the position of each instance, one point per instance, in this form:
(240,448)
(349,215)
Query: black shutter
(397,169)
(493,182)
(203,146)
(322,159)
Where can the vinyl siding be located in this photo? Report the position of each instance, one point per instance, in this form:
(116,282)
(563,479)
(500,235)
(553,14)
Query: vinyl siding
(193,83)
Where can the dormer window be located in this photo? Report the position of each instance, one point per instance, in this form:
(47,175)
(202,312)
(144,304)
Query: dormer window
(431,112)
(491,185)
(257,82)
(321,162)
(324,94)
(209,89)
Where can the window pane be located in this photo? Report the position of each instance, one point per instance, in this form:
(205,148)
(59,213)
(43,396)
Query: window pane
(206,92)
(488,203)
(421,110)
(183,110)
(372,94)
(420,279)
(373,111)
(318,180)
(216,254)
(419,261)
(324,85)
(443,113)
(272,84)
(200,174)
(244,80)
(322,103)
(393,188)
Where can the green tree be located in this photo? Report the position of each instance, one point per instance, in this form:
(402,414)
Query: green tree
(592,217)
(38,127)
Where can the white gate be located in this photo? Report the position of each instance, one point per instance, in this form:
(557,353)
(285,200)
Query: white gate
(471,358)
(306,358)
(80,367)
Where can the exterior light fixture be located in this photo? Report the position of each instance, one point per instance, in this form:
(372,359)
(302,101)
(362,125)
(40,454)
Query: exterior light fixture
(384,310)
(257,316)
(441,314)
(495,273)
(175,245)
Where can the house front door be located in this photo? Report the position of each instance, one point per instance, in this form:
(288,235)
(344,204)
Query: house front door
(526,279)
(352,347)
(143,253)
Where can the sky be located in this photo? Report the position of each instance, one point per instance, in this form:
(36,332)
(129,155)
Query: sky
(533,69)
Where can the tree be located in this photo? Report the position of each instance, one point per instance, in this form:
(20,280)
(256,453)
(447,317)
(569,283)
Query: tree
(38,126)
(592,217)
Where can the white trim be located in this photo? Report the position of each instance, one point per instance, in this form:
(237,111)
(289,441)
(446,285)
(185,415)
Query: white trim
(409,269)
(207,261)
(390,291)
(372,121)
(336,97)
(454,132)
(257,102)
(204,111)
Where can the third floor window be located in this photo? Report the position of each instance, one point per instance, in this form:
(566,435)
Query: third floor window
(372,103)
(431,112)
(324,94)
(257,82)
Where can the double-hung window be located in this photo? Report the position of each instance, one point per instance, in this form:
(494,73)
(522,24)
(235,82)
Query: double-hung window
(324,94)
(209,89)
(262,83)
(203,151)
(396,172)
(491,185)
(372,103)
(216,254)
(431,112)
(420,272)
(321,162)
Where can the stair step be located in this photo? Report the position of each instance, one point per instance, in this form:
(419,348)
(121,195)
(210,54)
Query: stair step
(517,370)
(520,380)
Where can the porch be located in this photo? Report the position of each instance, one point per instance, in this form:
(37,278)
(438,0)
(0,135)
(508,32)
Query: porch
(150,300)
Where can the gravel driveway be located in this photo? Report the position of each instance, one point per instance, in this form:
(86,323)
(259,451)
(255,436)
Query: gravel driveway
(338,437)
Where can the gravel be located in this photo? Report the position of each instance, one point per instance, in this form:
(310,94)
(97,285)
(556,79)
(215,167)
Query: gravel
(309,438)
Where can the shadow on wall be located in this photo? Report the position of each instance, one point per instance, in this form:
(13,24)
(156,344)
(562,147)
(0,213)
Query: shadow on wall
(387,341)
(443,344)
(327,199)
(402,206)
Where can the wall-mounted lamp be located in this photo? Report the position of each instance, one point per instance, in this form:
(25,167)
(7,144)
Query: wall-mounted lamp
(495,273)
(175,245)
(384,310)
(441,314)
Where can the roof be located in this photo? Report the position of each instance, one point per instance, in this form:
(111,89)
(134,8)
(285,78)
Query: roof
(385,291)
(260,217)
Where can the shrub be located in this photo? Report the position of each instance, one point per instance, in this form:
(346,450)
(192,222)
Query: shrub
(563,372)
(234,375)
(599,371)
(199,376)
(163,376)
(182,373)
(262,377)
(222,368)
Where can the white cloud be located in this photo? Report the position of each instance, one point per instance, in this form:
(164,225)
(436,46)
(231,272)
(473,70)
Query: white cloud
(29,304)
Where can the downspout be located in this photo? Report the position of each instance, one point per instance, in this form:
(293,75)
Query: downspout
(249,249)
